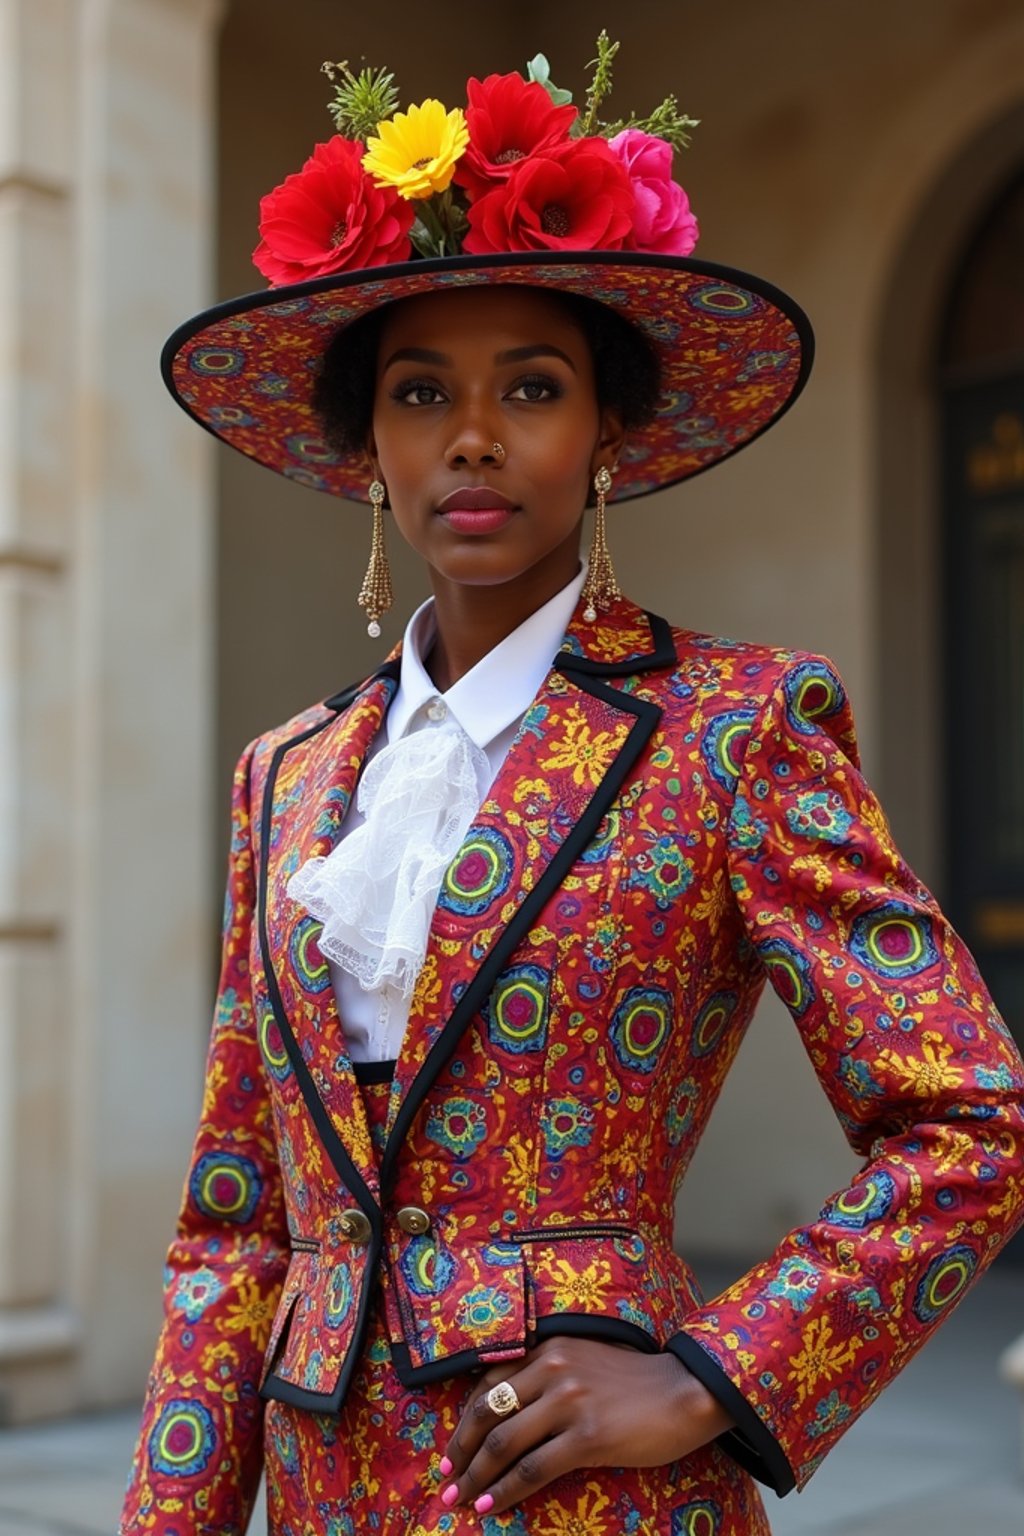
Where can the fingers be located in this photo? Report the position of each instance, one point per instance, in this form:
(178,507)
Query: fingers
(495,1462)
(479,1420)
(507,1447)
(538,1466)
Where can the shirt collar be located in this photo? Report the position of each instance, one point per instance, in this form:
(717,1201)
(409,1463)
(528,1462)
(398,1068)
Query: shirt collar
(503,684)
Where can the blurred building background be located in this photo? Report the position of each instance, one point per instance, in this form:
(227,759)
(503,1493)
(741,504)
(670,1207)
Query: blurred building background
(162,600)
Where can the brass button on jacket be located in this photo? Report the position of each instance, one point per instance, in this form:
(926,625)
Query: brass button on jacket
(412,1220)
(356,1226)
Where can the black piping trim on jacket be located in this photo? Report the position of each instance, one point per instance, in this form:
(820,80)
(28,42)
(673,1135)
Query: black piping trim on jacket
(610,1330)
(659,659)
(341,701)
(562,860)
(751,1443)
(335,1147)
(374,1072)
(276,1390)
(647,717)
(577,1325)
(439,1370)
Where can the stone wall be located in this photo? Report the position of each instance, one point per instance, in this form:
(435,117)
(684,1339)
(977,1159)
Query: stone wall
(106,541)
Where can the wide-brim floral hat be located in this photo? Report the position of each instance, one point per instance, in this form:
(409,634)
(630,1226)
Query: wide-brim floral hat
(517,189)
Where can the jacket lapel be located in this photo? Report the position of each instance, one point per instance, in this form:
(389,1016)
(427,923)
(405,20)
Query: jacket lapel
(310,786)
(576,744)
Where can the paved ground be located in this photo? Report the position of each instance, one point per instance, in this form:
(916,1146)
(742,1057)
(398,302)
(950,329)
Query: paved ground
(938,1455)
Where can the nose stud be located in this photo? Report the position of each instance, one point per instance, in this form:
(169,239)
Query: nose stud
(497,450)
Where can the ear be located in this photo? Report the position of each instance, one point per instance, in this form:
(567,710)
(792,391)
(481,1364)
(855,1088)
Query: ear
(611,440)
(370,458)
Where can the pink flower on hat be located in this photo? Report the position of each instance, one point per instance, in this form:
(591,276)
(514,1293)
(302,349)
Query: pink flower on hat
(329,217)
(663,221)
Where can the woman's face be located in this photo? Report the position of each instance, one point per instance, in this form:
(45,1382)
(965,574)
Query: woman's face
(458,373)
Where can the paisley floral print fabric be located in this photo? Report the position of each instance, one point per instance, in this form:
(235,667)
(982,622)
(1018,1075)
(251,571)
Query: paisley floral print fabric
(679,818)
(734,354)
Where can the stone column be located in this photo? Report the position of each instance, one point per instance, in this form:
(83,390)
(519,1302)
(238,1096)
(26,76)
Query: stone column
(106,514)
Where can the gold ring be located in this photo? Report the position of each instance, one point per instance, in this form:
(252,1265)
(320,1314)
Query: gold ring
(503,1399)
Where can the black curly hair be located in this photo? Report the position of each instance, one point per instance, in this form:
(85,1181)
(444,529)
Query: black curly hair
(627,371)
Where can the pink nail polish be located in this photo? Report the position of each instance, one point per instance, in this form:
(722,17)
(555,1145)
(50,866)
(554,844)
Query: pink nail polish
(450,1494)
(484,1504)
(446,1467)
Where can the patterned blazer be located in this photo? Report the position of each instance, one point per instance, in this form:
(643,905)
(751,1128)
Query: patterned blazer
(679,818)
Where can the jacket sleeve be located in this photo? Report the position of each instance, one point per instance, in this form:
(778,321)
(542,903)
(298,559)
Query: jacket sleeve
(918,1066)
(199,1454)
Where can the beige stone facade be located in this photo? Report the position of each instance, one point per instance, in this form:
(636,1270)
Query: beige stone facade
(161,601)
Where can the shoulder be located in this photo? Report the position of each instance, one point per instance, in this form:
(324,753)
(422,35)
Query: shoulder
(755,673)
(757,694)
(255,761)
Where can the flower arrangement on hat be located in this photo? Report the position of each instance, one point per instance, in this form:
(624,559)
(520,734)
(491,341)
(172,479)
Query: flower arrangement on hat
(518,169)
(518,186)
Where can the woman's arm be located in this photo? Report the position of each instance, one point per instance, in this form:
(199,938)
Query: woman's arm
(917,1064)
(199,1453)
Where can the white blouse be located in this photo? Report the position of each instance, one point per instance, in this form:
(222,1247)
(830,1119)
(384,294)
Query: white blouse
(423,781)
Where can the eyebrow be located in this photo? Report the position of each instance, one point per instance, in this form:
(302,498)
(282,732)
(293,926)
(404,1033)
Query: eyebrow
(442,359)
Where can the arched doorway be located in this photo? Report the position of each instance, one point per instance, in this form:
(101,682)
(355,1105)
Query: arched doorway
(981,384)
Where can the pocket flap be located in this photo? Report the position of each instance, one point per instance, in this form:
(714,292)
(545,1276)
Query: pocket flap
(614,1275)
(315,1321)
(445,1303)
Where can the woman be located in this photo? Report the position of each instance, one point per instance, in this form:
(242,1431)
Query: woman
(499,916)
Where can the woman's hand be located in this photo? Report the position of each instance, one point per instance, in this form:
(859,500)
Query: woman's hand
(584,1404)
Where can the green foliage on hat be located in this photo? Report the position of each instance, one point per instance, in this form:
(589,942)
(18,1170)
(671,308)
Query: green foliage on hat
(360,101)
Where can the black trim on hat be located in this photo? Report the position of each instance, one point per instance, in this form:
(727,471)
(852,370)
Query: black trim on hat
(427,267)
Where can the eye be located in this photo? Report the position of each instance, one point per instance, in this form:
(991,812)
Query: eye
(417,392)
(536,388)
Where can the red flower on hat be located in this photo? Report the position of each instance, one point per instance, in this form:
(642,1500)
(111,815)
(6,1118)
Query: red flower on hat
(663,221)
(329,216)
(575,197)
(508,118)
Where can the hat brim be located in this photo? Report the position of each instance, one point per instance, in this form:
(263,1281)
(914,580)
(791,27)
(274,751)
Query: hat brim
(735,353)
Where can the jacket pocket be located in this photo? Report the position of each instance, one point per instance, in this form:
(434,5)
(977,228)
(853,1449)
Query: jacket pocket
(609,1280)
(315,1321)
(451,1308)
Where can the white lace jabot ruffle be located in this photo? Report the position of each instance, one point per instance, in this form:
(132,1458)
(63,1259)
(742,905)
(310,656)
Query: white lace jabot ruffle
(375,892)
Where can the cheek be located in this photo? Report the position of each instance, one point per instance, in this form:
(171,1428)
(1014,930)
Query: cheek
(403,465)
(559,458)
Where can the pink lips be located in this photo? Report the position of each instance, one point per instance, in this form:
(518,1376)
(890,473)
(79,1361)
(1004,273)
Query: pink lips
(476,509)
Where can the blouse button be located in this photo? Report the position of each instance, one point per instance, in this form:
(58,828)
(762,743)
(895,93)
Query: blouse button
(437,709)
(412,1220)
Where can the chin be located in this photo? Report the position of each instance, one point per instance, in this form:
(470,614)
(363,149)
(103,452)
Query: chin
(484,565)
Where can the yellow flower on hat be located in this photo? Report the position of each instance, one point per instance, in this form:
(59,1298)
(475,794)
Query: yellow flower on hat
(415,151)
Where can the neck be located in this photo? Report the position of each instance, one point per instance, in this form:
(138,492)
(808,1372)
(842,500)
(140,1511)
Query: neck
(472,620)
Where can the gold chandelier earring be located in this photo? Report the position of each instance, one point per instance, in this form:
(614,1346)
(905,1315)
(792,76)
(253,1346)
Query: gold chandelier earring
(375,594)
(600,588)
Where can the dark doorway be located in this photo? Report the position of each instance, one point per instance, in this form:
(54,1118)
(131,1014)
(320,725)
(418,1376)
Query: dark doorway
(982,381)
(983,477)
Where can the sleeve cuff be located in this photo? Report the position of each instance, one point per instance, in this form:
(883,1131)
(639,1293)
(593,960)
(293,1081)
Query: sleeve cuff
(751,1443)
